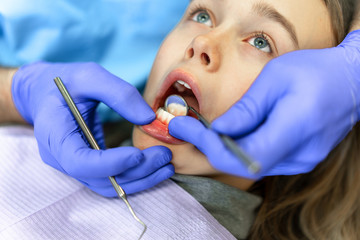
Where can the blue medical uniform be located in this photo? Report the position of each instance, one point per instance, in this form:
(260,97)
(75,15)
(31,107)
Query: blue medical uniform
(121,35)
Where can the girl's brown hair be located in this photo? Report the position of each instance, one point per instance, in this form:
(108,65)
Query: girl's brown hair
(341,13)
(324,203)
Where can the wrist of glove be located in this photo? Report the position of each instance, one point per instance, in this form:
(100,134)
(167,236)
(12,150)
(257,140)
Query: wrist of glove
(350,48)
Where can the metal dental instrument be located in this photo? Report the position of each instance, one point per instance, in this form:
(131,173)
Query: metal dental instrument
(74,110)
(252,165)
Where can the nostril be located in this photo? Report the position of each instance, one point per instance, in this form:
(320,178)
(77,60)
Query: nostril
(190,53)
(205,58)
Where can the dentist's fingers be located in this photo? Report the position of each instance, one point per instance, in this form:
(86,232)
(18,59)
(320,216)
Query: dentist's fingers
(49,159)
(118,94)
(80,161)
(73,154)
(138,185)
(252,109)
(263,144)
(209,143)
(154,158)
(273,142)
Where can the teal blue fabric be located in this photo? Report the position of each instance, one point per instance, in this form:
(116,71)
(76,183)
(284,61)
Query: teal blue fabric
(121,35)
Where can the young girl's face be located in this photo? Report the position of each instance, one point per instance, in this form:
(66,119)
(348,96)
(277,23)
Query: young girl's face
(218,49)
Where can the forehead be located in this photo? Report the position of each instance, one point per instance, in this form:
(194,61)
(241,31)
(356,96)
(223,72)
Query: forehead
(309,20)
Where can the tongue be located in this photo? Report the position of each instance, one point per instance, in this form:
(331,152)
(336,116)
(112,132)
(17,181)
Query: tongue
(192,101)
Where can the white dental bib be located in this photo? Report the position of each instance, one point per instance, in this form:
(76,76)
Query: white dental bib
(38,202)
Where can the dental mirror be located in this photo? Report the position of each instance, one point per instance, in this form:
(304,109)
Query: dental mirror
(175,103)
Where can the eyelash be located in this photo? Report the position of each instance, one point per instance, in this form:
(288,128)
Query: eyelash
(198,7)
(264,36)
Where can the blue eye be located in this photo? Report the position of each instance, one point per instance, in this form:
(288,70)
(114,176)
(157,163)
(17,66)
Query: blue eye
(202,17)
(260,43)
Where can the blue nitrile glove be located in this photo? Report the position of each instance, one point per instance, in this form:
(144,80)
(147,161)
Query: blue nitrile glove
(59,137)
(299,108)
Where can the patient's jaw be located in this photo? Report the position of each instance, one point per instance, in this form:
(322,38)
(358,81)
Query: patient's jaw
(218,49)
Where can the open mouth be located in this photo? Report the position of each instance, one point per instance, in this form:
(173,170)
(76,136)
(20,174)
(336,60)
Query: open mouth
(180,83)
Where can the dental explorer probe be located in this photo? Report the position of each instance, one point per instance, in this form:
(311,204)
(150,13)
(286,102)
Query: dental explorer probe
(75,111)
(253,166)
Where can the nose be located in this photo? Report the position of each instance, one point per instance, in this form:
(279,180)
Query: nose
(206,50)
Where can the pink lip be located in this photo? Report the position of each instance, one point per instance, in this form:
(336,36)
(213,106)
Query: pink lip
(157,129)
(177,74)
(160,131)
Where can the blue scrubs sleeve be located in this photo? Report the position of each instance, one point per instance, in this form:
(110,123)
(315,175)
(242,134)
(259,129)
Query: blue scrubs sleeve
(121,35)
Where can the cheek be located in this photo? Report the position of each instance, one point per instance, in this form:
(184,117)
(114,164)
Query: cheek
(172,50)
(141,140)
(154,80)
(168,56)
(236,78)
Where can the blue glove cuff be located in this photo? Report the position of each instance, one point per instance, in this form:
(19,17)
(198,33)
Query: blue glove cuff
(351,45)
(20,95)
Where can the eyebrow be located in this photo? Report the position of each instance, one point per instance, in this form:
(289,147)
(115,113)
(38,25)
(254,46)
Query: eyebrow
(266,10)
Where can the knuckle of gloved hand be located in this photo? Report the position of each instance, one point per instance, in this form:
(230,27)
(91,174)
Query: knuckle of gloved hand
(46,156)
(169,172)
(70,167)
(249,105)
(86,72)
(278,66)
(163,156)
(128,95)
(130,91)
(161,175)
(93,67)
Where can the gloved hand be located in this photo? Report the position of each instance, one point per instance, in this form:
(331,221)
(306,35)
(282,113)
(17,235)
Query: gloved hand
(299,108)
(61,143)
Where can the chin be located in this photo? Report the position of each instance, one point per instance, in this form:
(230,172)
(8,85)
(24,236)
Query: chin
(187,159)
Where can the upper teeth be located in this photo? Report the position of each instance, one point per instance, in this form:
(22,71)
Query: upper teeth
(164,116)
(174,110)
(177,109)
(184,84)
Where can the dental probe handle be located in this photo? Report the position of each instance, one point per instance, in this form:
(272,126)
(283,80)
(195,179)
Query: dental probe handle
(76,113)
(252,165)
